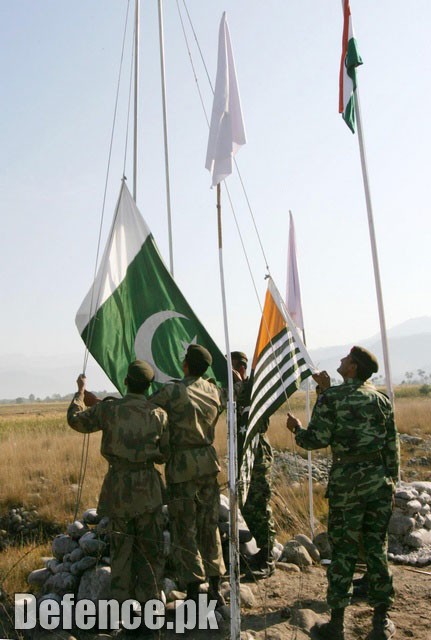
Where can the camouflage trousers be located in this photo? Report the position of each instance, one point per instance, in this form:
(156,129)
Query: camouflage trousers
(193,515)
(366,517)
(257,509)
(137,560)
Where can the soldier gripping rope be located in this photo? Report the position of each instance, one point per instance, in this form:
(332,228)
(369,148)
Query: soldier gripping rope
(134,437)
(193,405)
(357,422)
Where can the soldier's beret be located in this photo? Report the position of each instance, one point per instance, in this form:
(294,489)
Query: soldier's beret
(140,371)
(198,356)
(365,359)
(240,356)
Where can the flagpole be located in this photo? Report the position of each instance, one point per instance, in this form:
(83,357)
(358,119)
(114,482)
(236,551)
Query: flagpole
(165,133)
(379,293)
(235,622)
(135,102)
(310,465)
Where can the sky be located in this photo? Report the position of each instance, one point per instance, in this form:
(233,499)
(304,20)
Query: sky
(59,68)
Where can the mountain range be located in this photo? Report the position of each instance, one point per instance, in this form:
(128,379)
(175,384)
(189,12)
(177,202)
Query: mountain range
(20,376)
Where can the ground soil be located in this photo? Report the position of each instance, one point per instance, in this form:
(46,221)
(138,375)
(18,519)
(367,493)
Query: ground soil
(301,597)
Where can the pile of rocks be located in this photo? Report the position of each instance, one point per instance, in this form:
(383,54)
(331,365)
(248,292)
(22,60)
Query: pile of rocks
(410,525)
(80,562)
(294,468)
(19,525)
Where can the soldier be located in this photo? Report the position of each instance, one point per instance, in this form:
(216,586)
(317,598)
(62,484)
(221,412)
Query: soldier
(357,421)
(193,406)
(134,438)
(257,509)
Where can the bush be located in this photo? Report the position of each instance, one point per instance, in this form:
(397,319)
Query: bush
(425,389)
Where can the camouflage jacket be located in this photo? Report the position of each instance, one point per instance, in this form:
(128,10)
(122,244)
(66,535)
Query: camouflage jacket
(356,421)
(134,438)
(193,406)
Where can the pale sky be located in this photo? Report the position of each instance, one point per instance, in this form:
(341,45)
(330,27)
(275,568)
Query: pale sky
(59,67)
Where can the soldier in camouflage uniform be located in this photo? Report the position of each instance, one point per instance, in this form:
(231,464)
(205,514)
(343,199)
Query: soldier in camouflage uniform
(257,509)
(357,421)
(134,437)
(193,406)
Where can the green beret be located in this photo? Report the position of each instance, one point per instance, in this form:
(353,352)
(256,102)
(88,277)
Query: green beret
(198,356)
(240,356)
(365,359)
(140,371)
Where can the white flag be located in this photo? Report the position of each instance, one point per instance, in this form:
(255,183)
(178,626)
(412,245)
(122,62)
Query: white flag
(293,293)
(227,133)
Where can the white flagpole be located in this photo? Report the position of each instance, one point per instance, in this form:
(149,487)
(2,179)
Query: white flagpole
(136,96)
(293,296)
(235,621)
(165,132)
(383,332)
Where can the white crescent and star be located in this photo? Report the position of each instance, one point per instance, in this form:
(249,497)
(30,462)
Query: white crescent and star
(144,340)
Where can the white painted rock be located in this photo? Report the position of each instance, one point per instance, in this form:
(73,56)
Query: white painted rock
(76,529)
(247,598)
(288,567)
(304,618)
(87,562)
(419,538)
(61,583)
(413,507)
(91,516)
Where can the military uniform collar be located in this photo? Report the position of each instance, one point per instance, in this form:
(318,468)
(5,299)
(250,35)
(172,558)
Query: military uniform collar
(129,394)
(353,381)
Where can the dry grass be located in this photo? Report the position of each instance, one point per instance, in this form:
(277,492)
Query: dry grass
(41,460)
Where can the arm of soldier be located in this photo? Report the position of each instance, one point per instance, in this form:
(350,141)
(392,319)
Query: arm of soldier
(391,451)
(318,434)
(161,454)
(81,418)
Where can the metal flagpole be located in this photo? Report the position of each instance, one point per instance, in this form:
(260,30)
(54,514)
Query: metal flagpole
(235,621)
(374,251)
(165,131)
(135,110)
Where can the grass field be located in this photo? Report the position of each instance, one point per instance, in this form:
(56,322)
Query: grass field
(41,461)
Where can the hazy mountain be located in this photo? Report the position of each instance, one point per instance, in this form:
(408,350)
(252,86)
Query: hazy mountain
(20,376)
(409,349)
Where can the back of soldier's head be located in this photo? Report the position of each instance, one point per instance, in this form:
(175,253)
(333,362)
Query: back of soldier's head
(198,359)
(140,375)
(366,362)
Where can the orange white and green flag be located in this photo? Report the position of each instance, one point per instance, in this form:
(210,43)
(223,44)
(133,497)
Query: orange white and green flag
(350,59)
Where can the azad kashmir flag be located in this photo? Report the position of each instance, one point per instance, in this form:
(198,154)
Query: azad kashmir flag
(350,59)
(135,310)
(280,363)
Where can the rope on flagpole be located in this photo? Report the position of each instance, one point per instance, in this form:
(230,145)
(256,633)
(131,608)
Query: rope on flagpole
(232,456)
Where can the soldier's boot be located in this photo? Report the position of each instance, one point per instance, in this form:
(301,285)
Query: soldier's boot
(263,565)
(193,591)
(332,630)
(360,586)
(383,627)
(214,592)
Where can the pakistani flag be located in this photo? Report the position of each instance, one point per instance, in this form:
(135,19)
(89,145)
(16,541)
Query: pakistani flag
(350,59)
(135,310)
(281,362)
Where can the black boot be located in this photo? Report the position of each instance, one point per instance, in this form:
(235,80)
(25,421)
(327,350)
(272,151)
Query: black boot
(383,627)
(262,564)
(332,630)
(214,592)
(193,591)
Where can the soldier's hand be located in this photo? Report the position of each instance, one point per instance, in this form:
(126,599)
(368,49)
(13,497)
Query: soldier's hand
(292,423)
(323,380)
(90,399)
(81,380)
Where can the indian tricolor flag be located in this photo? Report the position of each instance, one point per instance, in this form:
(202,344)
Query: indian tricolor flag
(350,59)
(135,310)
(281,362)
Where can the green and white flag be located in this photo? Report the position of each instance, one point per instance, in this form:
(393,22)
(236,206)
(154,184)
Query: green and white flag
(350,59)
(135,310)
